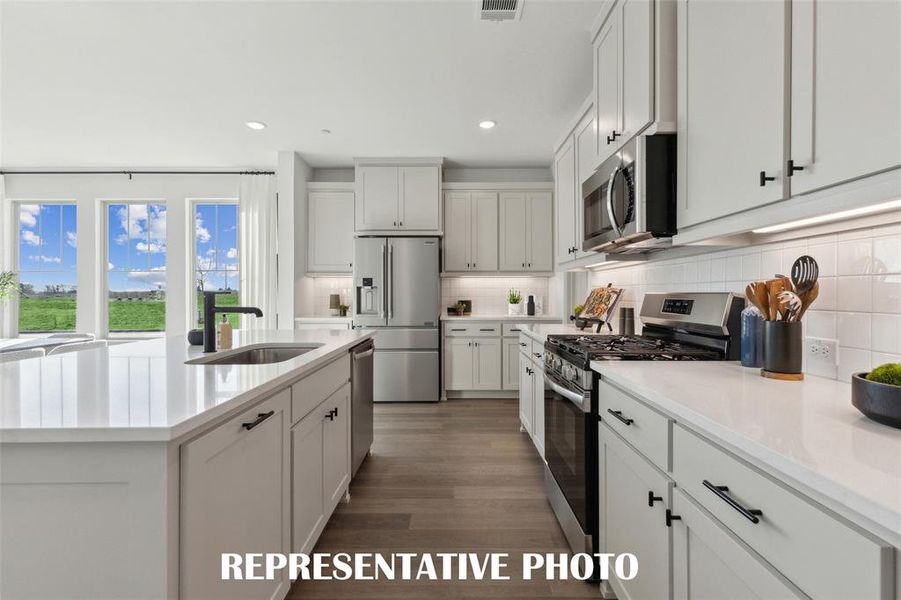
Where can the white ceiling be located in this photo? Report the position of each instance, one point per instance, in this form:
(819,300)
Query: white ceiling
(170,84)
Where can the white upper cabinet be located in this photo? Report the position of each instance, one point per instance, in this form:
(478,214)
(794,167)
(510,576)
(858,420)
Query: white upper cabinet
(607,81)
(331,232)
(846,91)
(731,107)
(471,231)
(526,238)
(405,196)
(636,24)
(565,190)
(419,202)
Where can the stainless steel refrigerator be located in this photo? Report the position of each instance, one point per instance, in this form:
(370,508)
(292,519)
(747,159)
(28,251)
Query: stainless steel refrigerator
(398,291)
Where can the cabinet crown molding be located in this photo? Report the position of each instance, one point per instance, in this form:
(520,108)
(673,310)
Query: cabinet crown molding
(399,160)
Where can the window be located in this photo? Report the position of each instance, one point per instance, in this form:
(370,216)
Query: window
(136,257)
(216,255)
(48,238)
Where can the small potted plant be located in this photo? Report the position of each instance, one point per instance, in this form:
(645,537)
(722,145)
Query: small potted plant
(460,308)
(577,310)
(514,302)
(877,394)
(342,310)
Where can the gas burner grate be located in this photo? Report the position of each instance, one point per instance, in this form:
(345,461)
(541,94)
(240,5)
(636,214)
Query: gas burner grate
(623,347)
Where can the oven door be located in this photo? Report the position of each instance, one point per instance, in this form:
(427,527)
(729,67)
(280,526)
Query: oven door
(568,442)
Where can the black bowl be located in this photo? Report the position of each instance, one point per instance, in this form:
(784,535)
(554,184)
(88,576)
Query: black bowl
(195,337)
(879,401)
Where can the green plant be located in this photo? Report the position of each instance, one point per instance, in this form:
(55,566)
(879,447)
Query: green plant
(889,373)
(7,284)
(577,309)
(513,296)
(460,307)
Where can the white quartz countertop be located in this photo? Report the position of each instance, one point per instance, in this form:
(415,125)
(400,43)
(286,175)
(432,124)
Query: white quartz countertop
(144,391)
(807,431)
(505,318)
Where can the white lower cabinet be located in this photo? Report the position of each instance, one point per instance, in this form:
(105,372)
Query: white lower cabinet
(710,562)
(633,498)
(235,498)
(320,445)
(526,392)
(538,408)
(510,371)
(472,363)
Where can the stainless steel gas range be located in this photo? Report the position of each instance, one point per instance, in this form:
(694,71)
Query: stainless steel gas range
(690,326)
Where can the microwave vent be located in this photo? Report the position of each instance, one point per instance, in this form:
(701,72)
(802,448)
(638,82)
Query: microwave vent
(499,10)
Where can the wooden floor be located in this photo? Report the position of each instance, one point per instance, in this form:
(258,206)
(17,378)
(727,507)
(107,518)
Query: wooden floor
(454,476)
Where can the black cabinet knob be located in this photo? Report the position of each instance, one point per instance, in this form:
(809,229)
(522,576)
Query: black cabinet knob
(790,168)
(612,137)
(652,498)
(670,517)
(764,178)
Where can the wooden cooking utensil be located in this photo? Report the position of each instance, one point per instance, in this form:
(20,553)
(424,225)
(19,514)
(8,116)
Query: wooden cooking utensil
(789,305)
(762,298)
(751,293)
(774,287)
(807,299)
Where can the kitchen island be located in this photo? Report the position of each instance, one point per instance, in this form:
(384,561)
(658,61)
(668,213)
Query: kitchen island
(126,471)
(781,488)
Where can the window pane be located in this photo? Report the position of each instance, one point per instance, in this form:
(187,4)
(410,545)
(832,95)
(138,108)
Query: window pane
(47,270)
(136,251)
(216,255)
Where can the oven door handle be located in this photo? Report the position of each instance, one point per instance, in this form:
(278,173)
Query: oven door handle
(610,210)
(570,395)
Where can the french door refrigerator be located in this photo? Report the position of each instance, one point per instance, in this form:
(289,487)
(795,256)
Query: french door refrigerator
(398,291)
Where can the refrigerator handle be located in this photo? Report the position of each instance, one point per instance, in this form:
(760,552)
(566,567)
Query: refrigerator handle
(390,285)
(385,285)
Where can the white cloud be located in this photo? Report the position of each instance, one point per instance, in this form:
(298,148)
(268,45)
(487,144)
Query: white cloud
(31,238)
(137,220)
(201,233)
(232,253)
(28,214)
(110,266)
(72,239)
(155,277)
(211,252)
(45,259)
(150,248)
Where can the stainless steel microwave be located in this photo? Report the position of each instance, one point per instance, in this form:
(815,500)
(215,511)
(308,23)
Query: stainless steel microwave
(629,204)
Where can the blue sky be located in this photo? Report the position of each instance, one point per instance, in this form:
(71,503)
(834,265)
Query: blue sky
(48,240)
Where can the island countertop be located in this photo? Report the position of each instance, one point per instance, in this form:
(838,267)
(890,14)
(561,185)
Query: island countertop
(144,391)
(806,432)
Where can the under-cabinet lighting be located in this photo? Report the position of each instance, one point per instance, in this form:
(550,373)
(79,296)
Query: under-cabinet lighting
(837,216)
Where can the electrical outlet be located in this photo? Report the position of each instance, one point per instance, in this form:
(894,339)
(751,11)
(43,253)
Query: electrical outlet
(821,357)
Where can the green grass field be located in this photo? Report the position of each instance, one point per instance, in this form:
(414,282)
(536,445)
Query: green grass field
(58,314)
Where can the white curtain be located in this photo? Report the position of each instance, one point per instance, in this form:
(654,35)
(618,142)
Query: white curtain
(257,231)
(9,235)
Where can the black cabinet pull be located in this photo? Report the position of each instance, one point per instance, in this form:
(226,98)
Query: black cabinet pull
(401,223)
(670,517)
(486,329)
(395,223)
(523,264)
(722,493)
(523,344)
(467,265)
(537,354)
(790,168)
(463,329)
(335,410)
(619,415)
(764,178)
(612,137)
(652,498)
(260,418)
(330,416)
(529,371)
(473,265)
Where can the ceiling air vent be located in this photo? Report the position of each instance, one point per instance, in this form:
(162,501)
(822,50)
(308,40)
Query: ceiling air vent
(500,10)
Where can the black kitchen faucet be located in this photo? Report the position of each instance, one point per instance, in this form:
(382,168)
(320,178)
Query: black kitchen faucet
(209,317)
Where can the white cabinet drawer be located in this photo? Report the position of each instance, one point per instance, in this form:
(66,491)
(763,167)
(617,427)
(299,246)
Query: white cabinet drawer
(472,329)
(821,555)
(641,426)
(511,329)
(310,391)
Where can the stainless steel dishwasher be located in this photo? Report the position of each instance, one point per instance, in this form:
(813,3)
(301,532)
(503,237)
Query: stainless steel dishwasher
(361,403)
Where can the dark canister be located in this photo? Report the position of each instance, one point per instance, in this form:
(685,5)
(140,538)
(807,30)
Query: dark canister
(782,346)
(530,306)
(751,337)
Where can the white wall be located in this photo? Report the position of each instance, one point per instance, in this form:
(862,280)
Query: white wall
(88,192)
(489,294)
(294,289)
(860,286)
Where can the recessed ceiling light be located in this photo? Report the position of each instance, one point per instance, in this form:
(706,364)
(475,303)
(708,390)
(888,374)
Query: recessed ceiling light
(256,125)
(488,124)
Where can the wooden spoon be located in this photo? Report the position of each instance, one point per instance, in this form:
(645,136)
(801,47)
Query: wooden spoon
(762,298)
(751,293)
(807,299)
(774,287)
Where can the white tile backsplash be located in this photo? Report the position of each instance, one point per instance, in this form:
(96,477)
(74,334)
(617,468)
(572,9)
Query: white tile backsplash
(489,294)
(323,287)
(860,286)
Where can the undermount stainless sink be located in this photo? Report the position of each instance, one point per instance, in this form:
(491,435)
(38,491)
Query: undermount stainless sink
(256,356)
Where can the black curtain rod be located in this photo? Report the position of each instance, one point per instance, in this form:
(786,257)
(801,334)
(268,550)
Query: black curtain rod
(130,173)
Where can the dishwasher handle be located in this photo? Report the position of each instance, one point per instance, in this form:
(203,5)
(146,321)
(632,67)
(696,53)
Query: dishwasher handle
(364,354)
